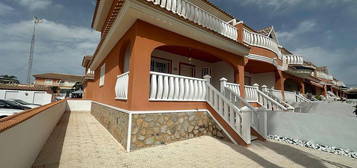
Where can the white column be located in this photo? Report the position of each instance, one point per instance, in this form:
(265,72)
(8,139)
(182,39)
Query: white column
(264,88)
(223,84)
(246,124)
(207,78)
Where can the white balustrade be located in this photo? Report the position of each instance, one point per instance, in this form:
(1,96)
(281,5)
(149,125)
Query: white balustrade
(199,16)
(290,96)
(169,87)
(89,72)
(301,98)
(259,40)
(239,121)
(251,94)
(234,87)
(324,75)
(258,117)
(293,59)
(270,104)
(121,86)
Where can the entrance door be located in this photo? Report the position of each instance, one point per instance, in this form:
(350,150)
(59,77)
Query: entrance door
(187,70)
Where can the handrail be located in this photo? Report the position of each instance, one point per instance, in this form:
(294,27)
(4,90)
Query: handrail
(270,104)
(301,98)
(123,74)
(239,121)
(233,96)
(176,76)
(258,119)
(287,105)
(259,40)
(199,16)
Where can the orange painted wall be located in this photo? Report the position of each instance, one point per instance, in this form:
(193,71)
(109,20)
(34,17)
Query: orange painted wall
(143,42)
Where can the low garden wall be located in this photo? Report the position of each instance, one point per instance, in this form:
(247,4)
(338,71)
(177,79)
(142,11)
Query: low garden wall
(23,135)
(331,130)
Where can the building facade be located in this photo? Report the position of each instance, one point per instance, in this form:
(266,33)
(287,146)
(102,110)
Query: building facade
(164,57)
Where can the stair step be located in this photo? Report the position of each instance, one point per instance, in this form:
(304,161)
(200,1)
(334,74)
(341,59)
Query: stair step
(253,138)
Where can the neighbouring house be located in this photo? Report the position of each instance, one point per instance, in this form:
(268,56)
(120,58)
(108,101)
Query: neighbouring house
(351,93)
(170,70)
(29,93)
(64,82)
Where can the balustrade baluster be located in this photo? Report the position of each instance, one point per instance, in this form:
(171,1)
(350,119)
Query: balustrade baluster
(153,86)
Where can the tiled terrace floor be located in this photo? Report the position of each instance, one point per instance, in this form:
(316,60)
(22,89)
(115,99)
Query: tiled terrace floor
(80,141)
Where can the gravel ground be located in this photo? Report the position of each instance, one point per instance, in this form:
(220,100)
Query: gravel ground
(80,141)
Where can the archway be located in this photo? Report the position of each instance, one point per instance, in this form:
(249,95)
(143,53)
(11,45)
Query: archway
(291,85)
(190,62)
(260,72)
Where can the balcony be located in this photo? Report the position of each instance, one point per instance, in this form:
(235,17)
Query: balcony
(197,15)
(89,75)
(259,40)
(293,59)
(324,75)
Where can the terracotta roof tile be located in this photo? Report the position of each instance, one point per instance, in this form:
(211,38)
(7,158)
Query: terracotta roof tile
(65,77)
(266,31)
(23,87)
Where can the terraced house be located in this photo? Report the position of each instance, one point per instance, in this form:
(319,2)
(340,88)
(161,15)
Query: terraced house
(169,70)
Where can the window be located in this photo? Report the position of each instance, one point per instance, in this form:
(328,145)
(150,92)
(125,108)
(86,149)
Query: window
(187,70)
(248,80)
(48,82)
(206,71)
(160,65)
(102,74)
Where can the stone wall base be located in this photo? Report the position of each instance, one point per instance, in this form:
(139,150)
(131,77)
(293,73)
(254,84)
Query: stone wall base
(152,129)
(115,121)
(163,128)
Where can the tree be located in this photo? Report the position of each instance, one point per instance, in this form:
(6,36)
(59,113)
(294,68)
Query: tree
(8,79)
(78,86)
(54,89)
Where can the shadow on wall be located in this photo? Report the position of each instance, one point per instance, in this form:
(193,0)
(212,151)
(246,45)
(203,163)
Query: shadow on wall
(52,150)
(294,155)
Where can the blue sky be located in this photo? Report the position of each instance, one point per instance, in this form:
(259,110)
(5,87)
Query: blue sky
(322,31)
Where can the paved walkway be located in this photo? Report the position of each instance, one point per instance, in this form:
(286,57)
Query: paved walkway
(80,141)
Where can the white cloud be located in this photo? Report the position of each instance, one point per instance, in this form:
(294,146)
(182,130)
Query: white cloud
(5,9)
(34,4)
(59,48)
(304,27)
(341,62)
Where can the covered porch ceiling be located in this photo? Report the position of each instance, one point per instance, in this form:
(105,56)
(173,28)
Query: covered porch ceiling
(254,66)
(190,53)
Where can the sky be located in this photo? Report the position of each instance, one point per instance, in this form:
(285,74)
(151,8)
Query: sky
(322,31)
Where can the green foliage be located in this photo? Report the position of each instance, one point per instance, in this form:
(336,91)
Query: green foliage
(54,89)
(318,97)
(77,86)
(8,79)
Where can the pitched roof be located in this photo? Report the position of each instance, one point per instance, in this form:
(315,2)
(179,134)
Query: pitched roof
(86,60)
(64,77)
(23,87)
(266,31)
